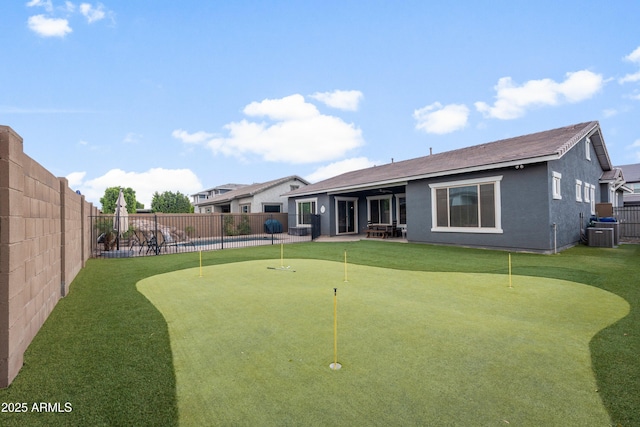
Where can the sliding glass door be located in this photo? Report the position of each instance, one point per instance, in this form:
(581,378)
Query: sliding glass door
(346,215)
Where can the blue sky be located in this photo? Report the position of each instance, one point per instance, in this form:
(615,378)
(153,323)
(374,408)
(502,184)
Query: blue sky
(183,96)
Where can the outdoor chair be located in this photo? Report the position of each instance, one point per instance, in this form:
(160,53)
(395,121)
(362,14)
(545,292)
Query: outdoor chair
(140,239)
(157,242)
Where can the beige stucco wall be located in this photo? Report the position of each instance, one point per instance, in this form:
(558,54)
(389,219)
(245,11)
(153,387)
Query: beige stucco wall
(42,247)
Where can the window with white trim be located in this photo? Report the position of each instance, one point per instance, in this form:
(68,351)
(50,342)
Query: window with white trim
(557,185)
(468,206)
(401,209)
(578,190)
(587,192)
(305,208)
(587,148)
(593,199)
(612,196)
(379,209)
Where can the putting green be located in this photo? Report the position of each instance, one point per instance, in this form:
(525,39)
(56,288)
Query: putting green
(252,346)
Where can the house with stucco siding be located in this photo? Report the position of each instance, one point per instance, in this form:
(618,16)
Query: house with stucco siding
(263,197)
(534,192)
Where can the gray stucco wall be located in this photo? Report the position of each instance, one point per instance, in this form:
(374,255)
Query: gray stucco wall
(321,200)
(528,209)
(569,214)
(524,211)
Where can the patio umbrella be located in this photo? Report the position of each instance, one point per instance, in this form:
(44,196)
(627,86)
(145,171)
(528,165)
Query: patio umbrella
(121,217)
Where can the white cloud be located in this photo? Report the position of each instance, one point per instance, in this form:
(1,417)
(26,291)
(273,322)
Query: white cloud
(633,57)
(48,6)
(49,27)
(291,107)
(630,78)
(347,100)
(132,138)
(191,138)
(340,167)
(92,13)
(293,131)
(75,179)
(439,119)
(143,183)
(513,101)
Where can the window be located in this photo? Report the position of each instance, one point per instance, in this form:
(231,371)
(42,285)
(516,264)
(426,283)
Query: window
(304,209)
(578,190)
(592,191)
(379,209)
(271,208)
(245,208)
(401,209)
(467,206)
(612,196)
(557,177)
(587,148)
(587,192)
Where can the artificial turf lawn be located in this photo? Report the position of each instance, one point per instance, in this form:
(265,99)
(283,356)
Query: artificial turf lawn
(105,348)
(252,346)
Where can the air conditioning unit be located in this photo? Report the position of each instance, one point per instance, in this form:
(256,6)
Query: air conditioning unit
(600,237)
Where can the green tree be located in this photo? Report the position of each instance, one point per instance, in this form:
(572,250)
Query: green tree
(169,202)
(108,201)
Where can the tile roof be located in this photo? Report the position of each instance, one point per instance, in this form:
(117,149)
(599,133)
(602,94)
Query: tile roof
(532,148)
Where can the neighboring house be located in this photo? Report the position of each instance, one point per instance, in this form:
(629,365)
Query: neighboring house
(255,198)
(204,195)
(632,177)
(535,192)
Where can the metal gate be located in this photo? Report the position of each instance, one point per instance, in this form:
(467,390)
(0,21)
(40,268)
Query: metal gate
(315,226)
(629,219)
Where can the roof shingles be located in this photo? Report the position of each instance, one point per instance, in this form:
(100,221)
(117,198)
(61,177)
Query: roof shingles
(522,149)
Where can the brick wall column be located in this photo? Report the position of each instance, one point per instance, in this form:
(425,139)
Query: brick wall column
(63,238)
(12,268)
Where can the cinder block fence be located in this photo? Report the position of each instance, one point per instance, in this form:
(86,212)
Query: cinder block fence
(44,242)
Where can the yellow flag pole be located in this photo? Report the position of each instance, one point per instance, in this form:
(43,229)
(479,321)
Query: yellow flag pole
(345,266)
(335,365)
(510,271)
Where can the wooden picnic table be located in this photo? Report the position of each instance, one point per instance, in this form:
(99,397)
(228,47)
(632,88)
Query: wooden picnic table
(379,230)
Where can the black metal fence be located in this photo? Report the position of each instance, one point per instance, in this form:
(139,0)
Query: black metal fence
(629,219)
(156,234)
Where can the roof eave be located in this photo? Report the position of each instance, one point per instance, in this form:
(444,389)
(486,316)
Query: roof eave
(405,180)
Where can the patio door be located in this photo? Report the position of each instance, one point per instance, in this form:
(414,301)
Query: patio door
(346,216)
